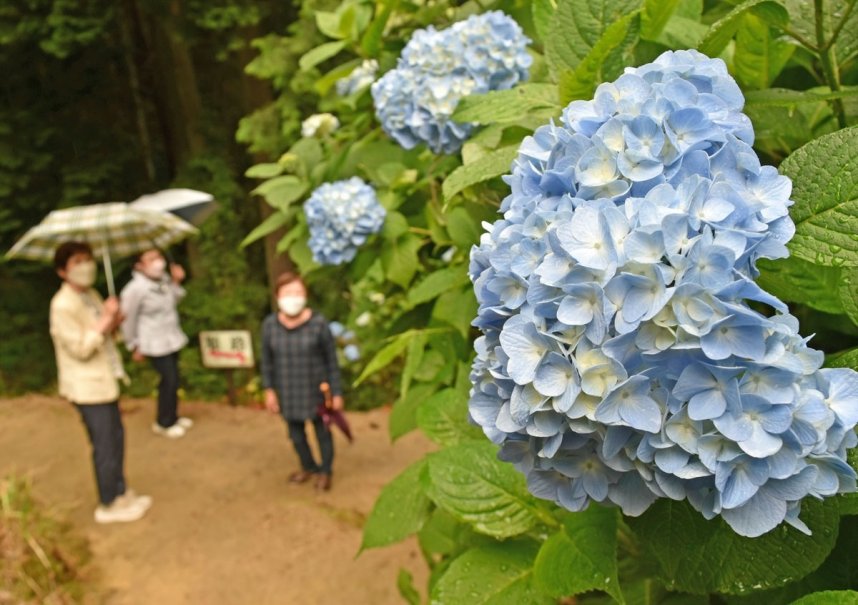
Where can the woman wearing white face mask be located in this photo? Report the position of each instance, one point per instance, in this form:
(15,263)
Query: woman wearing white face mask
(298,354)
(82,327)
(151,330)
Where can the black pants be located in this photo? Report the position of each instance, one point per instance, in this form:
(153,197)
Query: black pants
(298,436)
(168,397)
(107,437)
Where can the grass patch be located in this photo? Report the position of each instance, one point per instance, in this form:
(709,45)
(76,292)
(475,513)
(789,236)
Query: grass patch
(41,557)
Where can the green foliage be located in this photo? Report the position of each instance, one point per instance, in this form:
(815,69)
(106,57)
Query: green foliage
(485,538)
(684,544)
(825,189)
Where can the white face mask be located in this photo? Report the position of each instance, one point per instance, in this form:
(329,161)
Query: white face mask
(156,268)
(83,274)
(292,305)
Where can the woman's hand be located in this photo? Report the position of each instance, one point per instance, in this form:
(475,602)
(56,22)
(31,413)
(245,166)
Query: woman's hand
(137,356)
(271,403)
(110,316)
(177,273)
(337,402)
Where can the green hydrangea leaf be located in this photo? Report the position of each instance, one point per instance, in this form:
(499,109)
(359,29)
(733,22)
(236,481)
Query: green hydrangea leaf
(444,418)
(400,510)
(582,556)
(824,174)
(491,575)
(829,597)
(699,556)
(470,483)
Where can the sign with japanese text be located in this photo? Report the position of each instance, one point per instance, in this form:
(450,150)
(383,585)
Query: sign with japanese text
(226,349)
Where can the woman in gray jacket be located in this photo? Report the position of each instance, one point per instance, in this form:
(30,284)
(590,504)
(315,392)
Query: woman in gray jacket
(151,330)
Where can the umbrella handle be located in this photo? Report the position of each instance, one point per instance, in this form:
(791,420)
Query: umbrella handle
(326,391)
(108,271)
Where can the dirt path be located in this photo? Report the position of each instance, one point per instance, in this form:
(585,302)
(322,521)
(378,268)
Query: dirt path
(225,527)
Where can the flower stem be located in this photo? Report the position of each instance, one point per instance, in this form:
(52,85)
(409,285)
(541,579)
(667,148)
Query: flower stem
(829,61)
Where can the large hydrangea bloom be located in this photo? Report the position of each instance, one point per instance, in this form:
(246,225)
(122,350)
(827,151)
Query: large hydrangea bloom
(341,216)
(621,360)
(415,101)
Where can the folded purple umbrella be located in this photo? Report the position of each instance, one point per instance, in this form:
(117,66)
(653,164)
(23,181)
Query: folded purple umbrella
(330,415)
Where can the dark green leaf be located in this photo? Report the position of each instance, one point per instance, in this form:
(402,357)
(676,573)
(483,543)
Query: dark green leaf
(444,419)
(684,545)
(759,56)
(400,510)
(469,482)
(281,191)
(436,283)
(399,258)
(784,97)
(725,28)
(491,575)
(655,16)
(264,171)
(582,556)
(319,54)
(489,166)
(604,62)
(405,584)
(385,356)
(508,105)
(269,225)
(795,280)
(403,416)
(577,27)
(829,597)
(824,174)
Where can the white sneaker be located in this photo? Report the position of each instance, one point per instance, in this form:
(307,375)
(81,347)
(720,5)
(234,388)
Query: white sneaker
(185,423)
(172,432)
(131,497)
(120,510)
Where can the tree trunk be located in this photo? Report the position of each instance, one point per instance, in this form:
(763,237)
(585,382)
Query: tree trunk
(129,53)
(255,94)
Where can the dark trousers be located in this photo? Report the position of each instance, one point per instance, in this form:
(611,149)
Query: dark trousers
(168,397)
(107,437)
(298,436)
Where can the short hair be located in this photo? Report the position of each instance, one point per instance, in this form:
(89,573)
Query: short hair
(287,278)
(139,256)
(68,249)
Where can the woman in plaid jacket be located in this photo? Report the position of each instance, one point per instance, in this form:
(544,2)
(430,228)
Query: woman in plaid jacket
(298,354)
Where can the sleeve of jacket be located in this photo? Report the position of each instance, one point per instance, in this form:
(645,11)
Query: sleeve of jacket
(70,331)
(267,360)
(130,299)
(329,350)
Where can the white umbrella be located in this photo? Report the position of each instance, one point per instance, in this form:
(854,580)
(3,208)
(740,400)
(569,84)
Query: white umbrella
(112,228)
(188,204)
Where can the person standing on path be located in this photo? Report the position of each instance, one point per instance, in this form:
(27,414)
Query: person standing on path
(89,367)
(151,330)
(298,355)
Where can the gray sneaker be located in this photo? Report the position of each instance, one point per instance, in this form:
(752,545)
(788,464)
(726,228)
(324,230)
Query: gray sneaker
(120,510)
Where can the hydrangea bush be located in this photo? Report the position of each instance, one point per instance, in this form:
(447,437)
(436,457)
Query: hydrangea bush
(415,101)
(341,217)
(623,355)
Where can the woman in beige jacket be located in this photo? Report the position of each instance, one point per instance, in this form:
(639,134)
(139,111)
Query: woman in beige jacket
(89,367)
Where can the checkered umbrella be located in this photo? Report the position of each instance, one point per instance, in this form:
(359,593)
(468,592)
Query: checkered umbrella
(111,229)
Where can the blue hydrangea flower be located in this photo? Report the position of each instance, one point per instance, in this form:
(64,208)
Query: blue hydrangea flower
(415,101)
(361,76)
(620,359)
(341,216)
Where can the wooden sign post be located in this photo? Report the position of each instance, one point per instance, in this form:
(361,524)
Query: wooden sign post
(227,350)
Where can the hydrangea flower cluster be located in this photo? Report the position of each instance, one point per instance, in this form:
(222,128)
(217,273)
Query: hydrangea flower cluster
(361,77)
(342,215)
(415,101)
(620,359)
(319,124)
(346,341)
